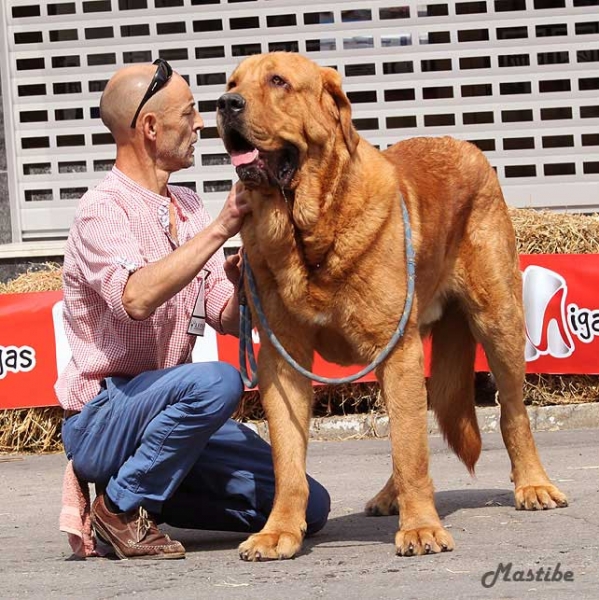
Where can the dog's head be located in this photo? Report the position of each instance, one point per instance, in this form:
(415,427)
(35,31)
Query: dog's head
(279,109)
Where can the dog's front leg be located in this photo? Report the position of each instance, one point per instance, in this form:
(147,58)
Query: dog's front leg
(402,382)
(287,400)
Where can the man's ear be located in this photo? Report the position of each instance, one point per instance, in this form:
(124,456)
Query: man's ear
(149,125)
(332,84)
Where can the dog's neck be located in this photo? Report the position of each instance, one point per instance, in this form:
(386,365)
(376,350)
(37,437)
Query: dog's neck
(314,214)
(302,239)
(326,216)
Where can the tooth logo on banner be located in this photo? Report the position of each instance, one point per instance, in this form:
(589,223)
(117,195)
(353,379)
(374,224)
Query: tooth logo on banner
(551,322)
(544,296)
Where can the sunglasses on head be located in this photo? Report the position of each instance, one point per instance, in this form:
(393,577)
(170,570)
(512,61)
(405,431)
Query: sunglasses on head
(162,75)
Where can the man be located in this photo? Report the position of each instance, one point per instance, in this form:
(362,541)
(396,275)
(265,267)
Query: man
(143,269)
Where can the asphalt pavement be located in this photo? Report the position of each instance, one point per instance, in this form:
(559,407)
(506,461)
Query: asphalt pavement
(353,556)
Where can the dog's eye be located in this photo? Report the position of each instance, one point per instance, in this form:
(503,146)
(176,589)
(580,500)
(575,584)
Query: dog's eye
(231,85)
(278,81)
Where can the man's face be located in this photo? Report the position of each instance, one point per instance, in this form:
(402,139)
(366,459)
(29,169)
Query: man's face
(178,125)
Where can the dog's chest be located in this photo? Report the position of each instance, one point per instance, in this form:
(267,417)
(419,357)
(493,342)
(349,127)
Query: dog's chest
(321,319)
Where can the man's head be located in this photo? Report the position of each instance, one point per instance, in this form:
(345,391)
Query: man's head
(167,123)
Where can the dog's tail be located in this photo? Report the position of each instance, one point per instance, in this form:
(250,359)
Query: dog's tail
(451,384)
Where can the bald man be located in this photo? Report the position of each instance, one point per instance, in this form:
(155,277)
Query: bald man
(143,272)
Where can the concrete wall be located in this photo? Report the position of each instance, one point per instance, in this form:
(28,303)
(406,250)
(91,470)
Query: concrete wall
(5,225)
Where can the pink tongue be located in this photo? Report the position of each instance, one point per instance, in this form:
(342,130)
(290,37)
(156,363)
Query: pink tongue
(244,158)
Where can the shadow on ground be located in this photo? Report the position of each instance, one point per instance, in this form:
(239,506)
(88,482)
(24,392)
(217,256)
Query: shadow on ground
(354,527)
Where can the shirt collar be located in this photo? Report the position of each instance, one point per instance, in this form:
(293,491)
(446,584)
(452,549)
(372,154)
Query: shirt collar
(150,198)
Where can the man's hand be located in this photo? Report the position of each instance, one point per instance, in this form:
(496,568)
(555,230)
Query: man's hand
(232,268)
(230,316)
(237,206)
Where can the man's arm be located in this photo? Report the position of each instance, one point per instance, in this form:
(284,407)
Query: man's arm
(229,319)
(154,284)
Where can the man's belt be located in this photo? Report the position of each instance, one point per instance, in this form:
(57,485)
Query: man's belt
(68,413)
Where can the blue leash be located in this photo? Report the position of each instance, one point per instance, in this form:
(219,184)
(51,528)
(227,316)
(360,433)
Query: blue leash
(246,348)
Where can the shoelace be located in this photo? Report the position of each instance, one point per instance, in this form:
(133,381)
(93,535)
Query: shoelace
(143,524)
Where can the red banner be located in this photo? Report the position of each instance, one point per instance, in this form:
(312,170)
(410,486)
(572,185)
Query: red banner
(562,321)
(28,349)
(562,313)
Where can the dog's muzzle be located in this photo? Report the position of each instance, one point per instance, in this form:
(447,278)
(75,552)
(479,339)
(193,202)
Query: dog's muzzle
(230,105)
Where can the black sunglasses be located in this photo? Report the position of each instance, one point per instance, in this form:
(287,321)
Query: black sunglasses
(162,75)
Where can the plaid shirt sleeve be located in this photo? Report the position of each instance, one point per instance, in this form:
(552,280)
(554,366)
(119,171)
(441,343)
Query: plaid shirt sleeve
(218,288)
(108,253)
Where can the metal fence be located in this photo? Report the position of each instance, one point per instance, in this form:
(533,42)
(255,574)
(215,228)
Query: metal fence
(520,78)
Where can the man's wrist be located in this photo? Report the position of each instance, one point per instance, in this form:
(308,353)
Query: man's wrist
(220,231)
(229,317)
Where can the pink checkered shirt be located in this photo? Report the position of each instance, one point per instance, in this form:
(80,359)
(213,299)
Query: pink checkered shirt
(119,227)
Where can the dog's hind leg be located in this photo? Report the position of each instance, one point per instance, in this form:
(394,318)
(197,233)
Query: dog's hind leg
(384,503)
(402,382)
(451,396)
(493,298)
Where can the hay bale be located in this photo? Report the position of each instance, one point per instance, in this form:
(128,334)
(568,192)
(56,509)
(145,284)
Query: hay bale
(537,232)
(46,277)
(31,430)
(547,232)
(329,400)
(548,390)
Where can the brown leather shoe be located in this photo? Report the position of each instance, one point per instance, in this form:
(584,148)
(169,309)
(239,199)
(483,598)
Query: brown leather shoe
(133,534)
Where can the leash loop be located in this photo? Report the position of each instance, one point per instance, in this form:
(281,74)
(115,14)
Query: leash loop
(246,348)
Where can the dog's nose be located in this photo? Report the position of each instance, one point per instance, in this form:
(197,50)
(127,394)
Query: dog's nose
(230,104)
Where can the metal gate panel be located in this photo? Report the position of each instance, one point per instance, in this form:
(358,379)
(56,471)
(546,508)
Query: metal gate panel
(519,78)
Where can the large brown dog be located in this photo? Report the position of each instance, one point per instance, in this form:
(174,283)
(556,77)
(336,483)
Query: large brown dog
(326,244)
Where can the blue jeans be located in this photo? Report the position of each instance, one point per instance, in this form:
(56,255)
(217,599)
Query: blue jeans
(164,440)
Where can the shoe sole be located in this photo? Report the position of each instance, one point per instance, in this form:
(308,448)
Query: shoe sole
(102,532)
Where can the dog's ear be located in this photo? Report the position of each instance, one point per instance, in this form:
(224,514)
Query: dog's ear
(332,84)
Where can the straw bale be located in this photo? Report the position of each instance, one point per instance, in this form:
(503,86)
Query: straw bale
(329,400)
(46,277)
(546,390)
(31,430)
(537,232)
(548,232)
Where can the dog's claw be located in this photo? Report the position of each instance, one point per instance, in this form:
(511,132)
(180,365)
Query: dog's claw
(271,546)
(423,540)
(536,497)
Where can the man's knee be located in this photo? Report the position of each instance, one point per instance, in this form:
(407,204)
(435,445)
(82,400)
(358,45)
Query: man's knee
(214,386)
(319,506)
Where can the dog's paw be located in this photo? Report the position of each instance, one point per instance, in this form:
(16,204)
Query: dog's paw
(381,505)
(539,497)
(424,540)
(270,546)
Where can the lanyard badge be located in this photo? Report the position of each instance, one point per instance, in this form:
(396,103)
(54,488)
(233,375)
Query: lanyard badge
(197,322)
